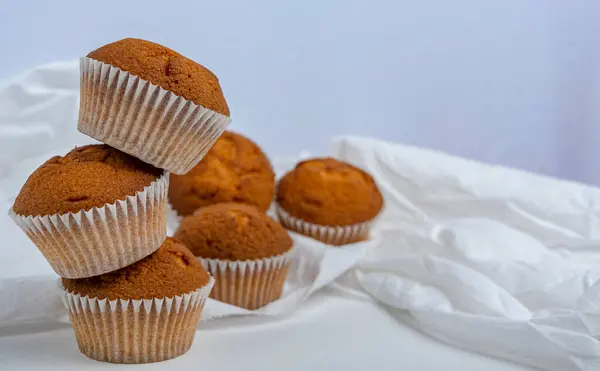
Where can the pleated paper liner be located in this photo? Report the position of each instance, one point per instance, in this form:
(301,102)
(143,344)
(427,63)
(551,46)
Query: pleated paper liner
(332,235)
(135,331)
(143,119)
(173,218)
(249,284)
(102,239)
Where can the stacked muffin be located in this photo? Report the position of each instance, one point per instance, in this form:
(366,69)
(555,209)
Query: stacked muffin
(98,214)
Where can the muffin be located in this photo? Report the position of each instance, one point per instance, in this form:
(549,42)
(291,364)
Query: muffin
(151,102)
(247,252)
(234,170)
(145,312)
(329,200)
(93,211)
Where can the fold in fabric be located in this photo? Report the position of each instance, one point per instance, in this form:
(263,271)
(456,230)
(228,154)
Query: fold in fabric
(488,259)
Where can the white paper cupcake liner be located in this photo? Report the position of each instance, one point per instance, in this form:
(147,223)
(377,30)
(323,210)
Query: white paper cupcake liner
(135,331)
(102,239)
(333,235)
(248,284)
(143,119)
(173,218)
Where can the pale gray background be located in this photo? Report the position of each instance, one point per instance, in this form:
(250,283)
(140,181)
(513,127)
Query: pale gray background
(514,82)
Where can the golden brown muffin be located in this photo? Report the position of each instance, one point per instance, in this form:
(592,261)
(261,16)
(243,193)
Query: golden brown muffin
(171,270)
(253,246)
(230,231)
(88,176)
(234,170)
(329,192)
(166,68)
(154,330)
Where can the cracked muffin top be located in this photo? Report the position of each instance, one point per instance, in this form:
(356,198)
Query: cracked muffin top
(231,231)
(88,176)
(171,270)
(326,191)
(234,170)
(166,68)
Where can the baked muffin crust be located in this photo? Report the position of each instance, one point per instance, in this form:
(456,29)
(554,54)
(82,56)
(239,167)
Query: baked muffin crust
(234,170)
(87,176)
(166,68)
(171,270)
(329,192)
(230,231)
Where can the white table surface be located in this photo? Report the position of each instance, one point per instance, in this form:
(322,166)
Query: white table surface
(328,332)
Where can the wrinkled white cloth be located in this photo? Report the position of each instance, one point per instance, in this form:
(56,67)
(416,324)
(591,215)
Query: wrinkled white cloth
(485,258)
(489,259)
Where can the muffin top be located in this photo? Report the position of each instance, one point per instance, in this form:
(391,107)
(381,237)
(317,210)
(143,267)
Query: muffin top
(87,176)
(231,231)
(234,170)
(326,191)
(166,68)
(169,271)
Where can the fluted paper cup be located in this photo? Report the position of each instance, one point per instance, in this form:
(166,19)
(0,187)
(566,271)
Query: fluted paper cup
(102,239)
(332,235)
(249,284)
(173,218)
(143,119)
(135,331)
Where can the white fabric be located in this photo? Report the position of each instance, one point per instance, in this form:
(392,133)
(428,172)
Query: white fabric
(485,258)
(489,259)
